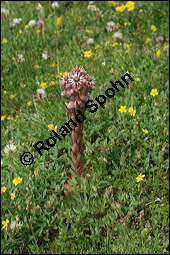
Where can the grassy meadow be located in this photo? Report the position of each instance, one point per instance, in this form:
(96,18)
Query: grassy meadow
(121,204)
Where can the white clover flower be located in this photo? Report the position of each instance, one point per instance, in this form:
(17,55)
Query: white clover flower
(41,93)
(55,5)
(46,55)
(15,225)
(20,58)
(117,35)
(90,41)
(93,8)
(110,26)
(38,7)
(9,148)
(4,12)
(32,23)
(17,21)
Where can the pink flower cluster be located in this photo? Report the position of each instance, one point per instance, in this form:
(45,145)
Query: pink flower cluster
(77,87)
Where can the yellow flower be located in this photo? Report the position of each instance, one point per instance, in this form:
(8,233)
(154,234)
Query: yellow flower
(137,79)
(50,126)
(130,5)
(97,47)
(36,66)
(37,207)
(43,85)
(114,44)
(120,8)
(12,96)
(26,26)
(20,31)
(17,219)
(38,31)
(12,196)
(154,92)
(132,111)
(52,82)
(58,21)
(5,223)
(65,73)
(148,40)
(145,131)
(153,28)
(4,40)
(23,86)
(158,53)
(126,46)
(54,65)
(17,180)
(3,117)
(107,43)
(13,58)
(166,47)
(3,189)
(29,103)
(112,3)
(8,118)
(4,91)
(88,53)
(127,24)
(140,177)
(122,109)
(55,128)
(89,31)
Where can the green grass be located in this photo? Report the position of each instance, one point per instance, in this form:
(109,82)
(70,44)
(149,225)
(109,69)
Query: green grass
(109,212)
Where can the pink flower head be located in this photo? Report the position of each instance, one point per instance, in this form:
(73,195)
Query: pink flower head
(90,41)
(40,22)
(77,87)
(160,38)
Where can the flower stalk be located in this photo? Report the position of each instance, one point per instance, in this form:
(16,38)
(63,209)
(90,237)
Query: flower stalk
(77,87)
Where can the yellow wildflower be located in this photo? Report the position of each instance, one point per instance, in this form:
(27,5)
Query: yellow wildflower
(5,223)
(107,43)
(89,31)
(97,47)
(148,40)
(126,46)
(158,53)
(145,131)
(4,91)
(130,5)
(54,65)
(4,40)
(12,195)
(3,117)
(13,58)
(153,28)
(26,26)
(8,118)
(65,73)
(17,180)
(29,103)
(140,177)
(52,127)
(23,86)
(88,53)
(137,79)
(122,109)
(36,66)
(127,24)
(112,3)
(132,111)
(20,31)
(12,96)
(3,189)
(58,21)
(114,44)
(120,8)
(154,92)
(166,47)
(38,31)
(52,82)
(17,219)
(43,85)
